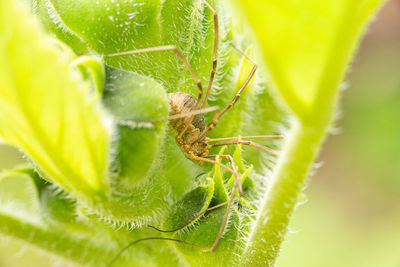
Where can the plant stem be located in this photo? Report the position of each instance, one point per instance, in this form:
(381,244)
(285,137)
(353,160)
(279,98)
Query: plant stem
(282,195)
(307,134)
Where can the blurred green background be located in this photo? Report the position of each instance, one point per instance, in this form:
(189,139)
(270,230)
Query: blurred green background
(352,215)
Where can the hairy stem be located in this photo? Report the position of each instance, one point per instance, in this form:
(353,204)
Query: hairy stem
(305,139)
(282,195)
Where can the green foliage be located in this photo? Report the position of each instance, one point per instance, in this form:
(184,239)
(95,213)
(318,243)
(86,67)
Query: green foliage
(131,99)
(96,132)
(318,44)
(203,231)
(306,60)
(40,112)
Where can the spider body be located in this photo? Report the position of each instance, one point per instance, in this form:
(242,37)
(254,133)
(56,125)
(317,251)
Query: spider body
(189,142)
(191,130)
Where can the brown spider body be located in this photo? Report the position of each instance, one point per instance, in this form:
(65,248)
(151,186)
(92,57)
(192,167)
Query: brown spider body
(182,103)
(191,131)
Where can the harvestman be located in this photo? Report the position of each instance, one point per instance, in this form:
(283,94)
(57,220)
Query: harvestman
(186,118)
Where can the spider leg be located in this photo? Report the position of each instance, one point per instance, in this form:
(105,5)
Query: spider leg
(214,69)
(232,198)
(186,63)
(192,220)
(243,142)
(206,159)
(228,157)
(214,122)
(215,52)
(245,137)
(228,203)
(115,258)
(173,48)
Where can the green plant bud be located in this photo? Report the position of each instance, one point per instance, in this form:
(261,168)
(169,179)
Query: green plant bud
(134,101)
(46,104)
(191,204)
(204,230)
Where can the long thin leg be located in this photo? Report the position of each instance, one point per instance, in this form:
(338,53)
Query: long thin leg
(215,52)
(185,62)
(228,203)
(214,68)
(164,48)
(194,112)
(243,142)
(228,157)
(192,220)
(232,198)
(242,53)
(150,238)
(233,171)
(214,122)
(212,161)
(245,137)
(173,117)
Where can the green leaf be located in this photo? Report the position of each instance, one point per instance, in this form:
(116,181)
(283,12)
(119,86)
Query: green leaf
(203,231)
(35,211)
(220,193)
(46,108)
(95,26)
(132,99)
(305,42)
(190,205)
(186,24)
(106,27)
(205,234)
(37,197)
(307,47)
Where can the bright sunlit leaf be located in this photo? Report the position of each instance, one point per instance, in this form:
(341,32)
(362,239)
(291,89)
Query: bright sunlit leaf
(307,47)
(303,42)
(46,108)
